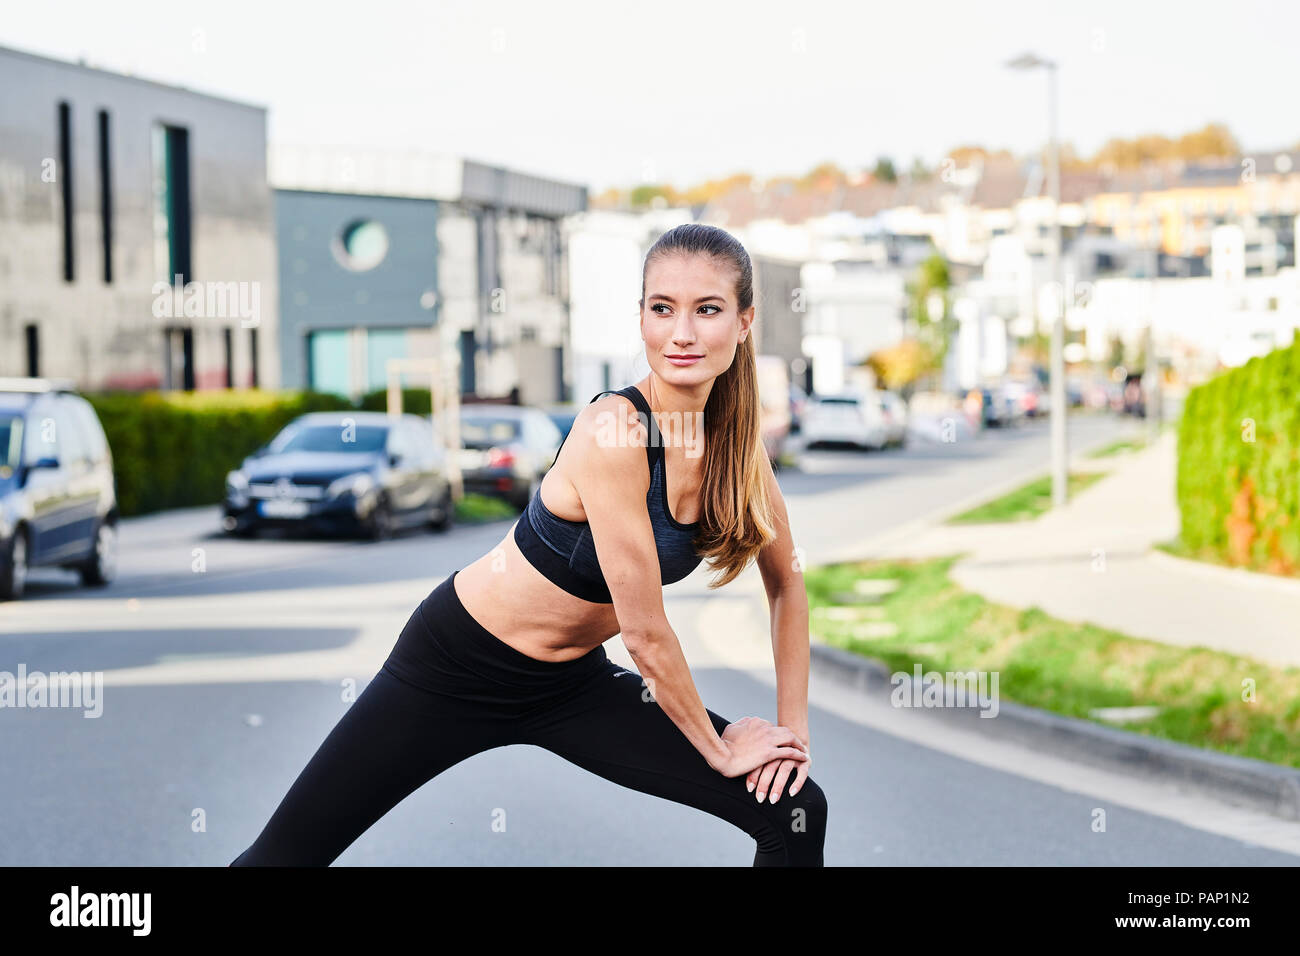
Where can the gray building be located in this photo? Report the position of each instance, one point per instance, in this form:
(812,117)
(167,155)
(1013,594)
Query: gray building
(136,241)
(422,256)
(358,283)
(780,309)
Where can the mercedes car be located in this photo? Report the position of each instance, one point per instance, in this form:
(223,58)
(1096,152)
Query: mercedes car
(359,473)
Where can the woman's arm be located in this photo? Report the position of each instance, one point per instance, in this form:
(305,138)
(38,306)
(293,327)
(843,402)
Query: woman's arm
(612,481)
(787,598)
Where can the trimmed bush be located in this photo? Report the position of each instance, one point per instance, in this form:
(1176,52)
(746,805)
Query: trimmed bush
(1239,465)
(415,401)
(174,449)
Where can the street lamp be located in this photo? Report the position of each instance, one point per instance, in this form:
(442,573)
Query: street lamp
(1031,61)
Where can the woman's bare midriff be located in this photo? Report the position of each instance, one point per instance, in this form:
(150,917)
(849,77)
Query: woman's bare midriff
(523,608)
(514,601)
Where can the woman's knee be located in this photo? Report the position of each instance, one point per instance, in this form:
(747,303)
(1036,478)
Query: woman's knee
(814,797)
(794,829)
(810,802)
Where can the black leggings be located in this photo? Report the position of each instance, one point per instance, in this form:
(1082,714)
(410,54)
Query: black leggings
(447,671)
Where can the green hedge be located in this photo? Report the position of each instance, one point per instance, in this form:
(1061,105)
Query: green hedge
(174,449)
(415,401)
(1240,499)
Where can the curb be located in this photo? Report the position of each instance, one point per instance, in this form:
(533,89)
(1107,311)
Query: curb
(159,517)
(1238,577)
(1256,784)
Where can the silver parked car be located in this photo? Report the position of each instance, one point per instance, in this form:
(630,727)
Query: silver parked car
(506,450)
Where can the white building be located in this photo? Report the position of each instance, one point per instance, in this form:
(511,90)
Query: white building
(1197,323)
(863,306)
(606,254)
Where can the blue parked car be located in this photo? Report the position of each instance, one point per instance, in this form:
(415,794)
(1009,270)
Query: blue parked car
(58,499)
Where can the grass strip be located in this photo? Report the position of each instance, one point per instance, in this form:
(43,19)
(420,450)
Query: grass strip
(474,507)
(1119,446)
(1026,502)
(1204,697)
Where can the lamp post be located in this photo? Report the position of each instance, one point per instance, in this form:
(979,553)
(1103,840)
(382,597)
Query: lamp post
(1031,61)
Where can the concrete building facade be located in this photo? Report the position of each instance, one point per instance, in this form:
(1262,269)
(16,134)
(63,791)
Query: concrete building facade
(424,256)
(136,236)
(358,282)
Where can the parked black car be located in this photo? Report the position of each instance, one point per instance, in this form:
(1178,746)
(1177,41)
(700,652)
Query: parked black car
(344,472)
(58,499)
(1134,396)
(505,449)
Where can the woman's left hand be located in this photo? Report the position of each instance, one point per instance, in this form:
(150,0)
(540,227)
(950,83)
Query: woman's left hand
(769,780)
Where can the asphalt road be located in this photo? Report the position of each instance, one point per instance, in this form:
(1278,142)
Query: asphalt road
(226,662)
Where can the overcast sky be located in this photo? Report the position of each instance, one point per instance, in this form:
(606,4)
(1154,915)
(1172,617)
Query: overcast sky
(618,93)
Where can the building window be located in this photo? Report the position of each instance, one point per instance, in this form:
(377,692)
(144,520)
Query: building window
(352,361)
(229,336)
(329,361)
(382,345)
(171,188)
(252,358)
(468,351)
(178,358)
(65,182)
(361,245)
(105,195)
(552,250)
(32,334)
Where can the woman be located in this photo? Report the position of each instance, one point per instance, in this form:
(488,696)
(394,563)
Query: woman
(509,649)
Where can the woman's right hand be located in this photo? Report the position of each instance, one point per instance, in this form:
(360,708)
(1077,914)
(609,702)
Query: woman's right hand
(751,742)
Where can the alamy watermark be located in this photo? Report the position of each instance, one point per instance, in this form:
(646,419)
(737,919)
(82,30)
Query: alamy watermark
(83,689)
(211,300)
(684,429)
(948,689)
(128,910)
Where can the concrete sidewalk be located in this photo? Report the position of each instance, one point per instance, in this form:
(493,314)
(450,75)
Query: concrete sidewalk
(1092,561)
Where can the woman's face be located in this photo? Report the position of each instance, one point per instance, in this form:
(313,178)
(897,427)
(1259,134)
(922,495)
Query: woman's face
(690,310)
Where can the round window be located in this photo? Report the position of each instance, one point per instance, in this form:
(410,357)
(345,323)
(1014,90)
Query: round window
(362,245)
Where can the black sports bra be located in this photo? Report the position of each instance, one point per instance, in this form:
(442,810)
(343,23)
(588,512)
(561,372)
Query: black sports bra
(563,550)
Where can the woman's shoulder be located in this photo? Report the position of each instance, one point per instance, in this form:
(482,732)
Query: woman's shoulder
(607,435)
(612,420)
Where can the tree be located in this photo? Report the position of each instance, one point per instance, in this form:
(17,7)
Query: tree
(1212,141)
(823,177)
(645,195)
(716,188)
(1116,350)
(884,171)
(898,367)
(933,332)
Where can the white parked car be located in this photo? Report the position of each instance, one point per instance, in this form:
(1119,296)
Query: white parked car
(851,417)
(894,410)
